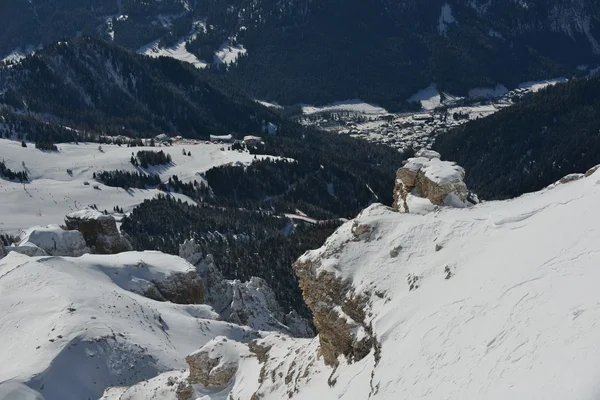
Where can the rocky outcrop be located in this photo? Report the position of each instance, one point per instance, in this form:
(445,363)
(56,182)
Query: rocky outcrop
(2,249)
(216,362)
(179,288)
(99,231)
(427,177)
(339,313)
(250,303)
(592,170)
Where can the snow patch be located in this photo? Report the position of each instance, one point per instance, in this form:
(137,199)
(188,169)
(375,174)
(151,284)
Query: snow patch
(446,18)
(488,93)
(535,86)
(354,105)
(429,97)
(228,54)
(177,51)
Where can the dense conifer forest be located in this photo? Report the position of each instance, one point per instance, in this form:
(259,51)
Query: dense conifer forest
(244,242)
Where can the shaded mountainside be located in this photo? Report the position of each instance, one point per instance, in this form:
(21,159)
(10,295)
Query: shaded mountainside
(531,144)
(94,85)
(316,51)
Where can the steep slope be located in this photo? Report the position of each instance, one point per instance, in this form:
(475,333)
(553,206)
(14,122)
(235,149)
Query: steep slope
(495,301)
(531,144)
(96,86)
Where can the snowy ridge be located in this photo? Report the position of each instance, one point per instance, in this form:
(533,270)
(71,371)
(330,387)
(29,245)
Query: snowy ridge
(487,302)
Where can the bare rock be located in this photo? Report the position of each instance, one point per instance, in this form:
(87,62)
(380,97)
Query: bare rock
(99,231)
(179,288)
(427,177)
(216,362)
(571,178)
(250,303)
(362,231)
(184,391)
(592,170)
(339,314)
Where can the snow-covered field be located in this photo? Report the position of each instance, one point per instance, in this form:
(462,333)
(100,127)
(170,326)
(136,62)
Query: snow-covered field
(228,54)
(355,105)
(429,97)
(71,327)
(177,51)
(53,192)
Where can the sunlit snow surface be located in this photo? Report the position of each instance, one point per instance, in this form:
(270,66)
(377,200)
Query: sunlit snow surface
(53,192)
(516,317)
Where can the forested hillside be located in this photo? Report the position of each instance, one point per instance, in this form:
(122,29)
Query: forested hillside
(531,144)
(315,51)
(93,85)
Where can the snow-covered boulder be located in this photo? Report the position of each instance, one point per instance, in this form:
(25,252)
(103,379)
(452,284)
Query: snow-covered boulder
(54,241)
(99,231)
(425,182)
(28,249)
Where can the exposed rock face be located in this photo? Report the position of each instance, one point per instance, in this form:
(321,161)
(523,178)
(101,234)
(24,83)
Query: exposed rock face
(251,303)
(179,288)
(99,231)
(339,314)
(427,177)
(2,249)
(216,362)
(571,178)
(592,170)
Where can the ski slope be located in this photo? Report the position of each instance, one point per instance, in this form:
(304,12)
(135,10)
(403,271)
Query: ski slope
(53,192)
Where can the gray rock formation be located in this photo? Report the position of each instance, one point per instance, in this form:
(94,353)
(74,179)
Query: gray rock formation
(339,313)
(99,231)
(250,303)
(179,288)
(215,363)
(427,177)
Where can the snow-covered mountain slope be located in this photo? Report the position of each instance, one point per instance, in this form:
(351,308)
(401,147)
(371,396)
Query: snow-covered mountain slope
(73,326)
(491,302)
(53,192)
